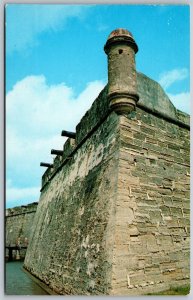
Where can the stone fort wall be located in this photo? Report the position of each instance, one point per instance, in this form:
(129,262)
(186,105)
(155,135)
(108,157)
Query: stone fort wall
(18,224)
(74,223)
(152,232)
(113,216)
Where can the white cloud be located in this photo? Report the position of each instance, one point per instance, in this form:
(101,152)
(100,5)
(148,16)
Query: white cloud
(22,193)
(181,101)
(19,196)
(24,23)
(170,77)
(36,109)
(36,113)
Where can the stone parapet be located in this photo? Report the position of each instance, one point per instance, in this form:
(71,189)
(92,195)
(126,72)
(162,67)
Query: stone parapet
(23,209)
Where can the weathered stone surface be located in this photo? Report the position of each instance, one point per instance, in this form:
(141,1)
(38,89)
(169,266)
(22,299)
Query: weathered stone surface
(75,219)
(19,221)
(113,216)
(159,211)
(150,89)
(18,224)
(119,209)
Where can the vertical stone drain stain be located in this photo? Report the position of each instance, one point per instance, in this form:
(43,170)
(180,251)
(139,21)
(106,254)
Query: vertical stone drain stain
(113,216)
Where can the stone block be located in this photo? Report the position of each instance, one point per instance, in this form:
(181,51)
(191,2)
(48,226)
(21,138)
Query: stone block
(140,136)
(184,222)
(165,242)
(129,262)
(152,245)
(122,249)
(172,223)
(152,270)
(160,257)
(174,147)
(155,216)
(119,274)
(133,230)
(165,211)
(186,212)
(137,248)
(180,231)
(175,256)
(148,130)
(131,180)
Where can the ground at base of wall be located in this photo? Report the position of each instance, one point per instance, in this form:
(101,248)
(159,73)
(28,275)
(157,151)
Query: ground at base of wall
(181,290)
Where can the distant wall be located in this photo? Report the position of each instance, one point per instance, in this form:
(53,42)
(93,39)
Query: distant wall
(18,223)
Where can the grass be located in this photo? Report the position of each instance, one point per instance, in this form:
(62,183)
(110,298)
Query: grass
(181,290)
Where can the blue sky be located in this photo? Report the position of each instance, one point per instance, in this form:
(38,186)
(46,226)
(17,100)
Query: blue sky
(56,66)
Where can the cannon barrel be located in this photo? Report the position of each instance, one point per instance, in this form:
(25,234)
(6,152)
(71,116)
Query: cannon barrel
(42,164)
(57,152)
(69,134)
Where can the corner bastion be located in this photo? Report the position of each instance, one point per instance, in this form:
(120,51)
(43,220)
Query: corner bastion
(114,211)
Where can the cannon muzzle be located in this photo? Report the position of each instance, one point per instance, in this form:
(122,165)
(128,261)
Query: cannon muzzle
(69,134)
(57,152)
(42,164)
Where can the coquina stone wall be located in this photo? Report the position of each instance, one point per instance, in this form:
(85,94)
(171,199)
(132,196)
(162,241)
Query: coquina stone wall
(151,249)
(113,216)
(72,243)
(18,224)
